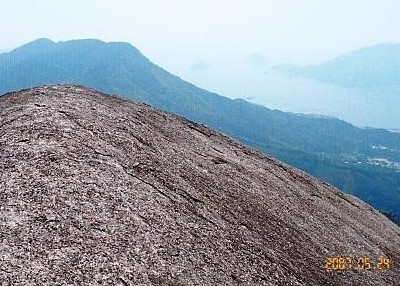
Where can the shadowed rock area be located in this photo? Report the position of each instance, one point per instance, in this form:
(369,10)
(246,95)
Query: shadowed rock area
(98,190)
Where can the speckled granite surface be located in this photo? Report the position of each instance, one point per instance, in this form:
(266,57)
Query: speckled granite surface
(97,190)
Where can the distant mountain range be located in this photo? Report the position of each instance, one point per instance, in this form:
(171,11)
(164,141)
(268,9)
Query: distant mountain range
(377,66)
(363,162)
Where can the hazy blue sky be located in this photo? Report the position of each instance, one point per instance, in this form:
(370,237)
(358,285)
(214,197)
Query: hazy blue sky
(186,36)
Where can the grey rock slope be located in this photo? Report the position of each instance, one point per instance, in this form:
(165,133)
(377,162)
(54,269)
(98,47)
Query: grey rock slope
(329,149)
(97,190)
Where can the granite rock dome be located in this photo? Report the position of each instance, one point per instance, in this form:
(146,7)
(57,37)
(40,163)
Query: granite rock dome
(99,190)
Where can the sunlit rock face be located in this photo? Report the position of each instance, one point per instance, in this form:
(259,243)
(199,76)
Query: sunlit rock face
(99,190)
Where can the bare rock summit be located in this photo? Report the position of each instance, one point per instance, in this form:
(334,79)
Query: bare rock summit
(99,190)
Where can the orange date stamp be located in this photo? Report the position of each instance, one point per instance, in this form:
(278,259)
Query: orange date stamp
(341,263)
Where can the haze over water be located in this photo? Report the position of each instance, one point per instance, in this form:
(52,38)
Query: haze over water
(227,46)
